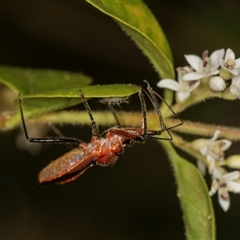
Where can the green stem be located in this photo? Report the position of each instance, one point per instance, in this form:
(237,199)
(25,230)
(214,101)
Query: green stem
(202,93)
(203,129)
(134,119)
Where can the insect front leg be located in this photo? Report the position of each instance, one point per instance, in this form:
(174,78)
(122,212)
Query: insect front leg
(44,140)
(95,128)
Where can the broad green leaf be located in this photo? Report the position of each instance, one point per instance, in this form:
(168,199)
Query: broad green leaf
(31,81)
(193,194)
(49,101)
(52,100)
(99,91)
(138,22)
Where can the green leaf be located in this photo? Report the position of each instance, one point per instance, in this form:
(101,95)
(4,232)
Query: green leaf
(99,91)
(49,101)
(31,81)
(48,90)
(193,194)
(138,22)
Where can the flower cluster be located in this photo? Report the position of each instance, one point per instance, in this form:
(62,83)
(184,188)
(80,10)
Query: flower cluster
(222,181)
(221,73)
(214,75)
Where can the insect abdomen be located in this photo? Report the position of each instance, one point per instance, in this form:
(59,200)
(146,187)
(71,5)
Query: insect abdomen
(73,160)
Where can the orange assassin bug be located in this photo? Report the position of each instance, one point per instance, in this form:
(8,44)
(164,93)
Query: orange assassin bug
(104,150)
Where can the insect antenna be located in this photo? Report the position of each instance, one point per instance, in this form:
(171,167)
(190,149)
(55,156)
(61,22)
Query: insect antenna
(47,139)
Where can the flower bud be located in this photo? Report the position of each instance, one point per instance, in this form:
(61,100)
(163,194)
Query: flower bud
(199,143)
(225,74)
(232,162)
(217,84)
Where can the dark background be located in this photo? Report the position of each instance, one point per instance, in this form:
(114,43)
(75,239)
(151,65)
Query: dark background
(137,198)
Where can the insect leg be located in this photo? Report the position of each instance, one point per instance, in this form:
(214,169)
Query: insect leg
(112,109)
(44,140)
(151,95)
(144,112)
(111,101)
(95,129)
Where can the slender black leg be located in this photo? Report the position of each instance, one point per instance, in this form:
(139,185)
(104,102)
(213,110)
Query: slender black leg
(111,101)
(44,140)
(112,109)
(143,110)
(152,97)
(95,129)
(153,94)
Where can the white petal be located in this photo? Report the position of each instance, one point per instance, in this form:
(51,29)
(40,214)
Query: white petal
(236,81)
(187,69)
(214,187)
(194,85)
(214,58)
(223,199)
(181,96)
(233,187)
(215,135)
(237,63)
(217,174)
(234,71)
(221,62)
(203,150)
(235,91)
(229,54)
(169,83)
(192,76)
(231,176)
(202,167)
(211,73)
(195,62)
(227,144)
(211,164)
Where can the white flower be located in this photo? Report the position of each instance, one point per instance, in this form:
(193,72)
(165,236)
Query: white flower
(205,66)
(212,149)
(229,63)
(183,88)
(224,183)
(217,84)
(235,86)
